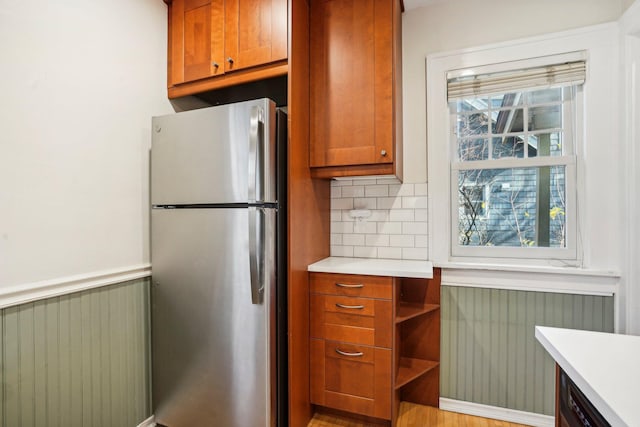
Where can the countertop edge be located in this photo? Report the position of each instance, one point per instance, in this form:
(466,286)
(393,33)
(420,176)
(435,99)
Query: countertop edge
(374,267)
(605,409)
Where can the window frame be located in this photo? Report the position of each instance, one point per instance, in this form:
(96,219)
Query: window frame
(528,52)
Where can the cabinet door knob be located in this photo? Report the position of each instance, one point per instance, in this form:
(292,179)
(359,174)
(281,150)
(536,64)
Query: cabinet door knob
(383,153)
(215,64)
(230,60)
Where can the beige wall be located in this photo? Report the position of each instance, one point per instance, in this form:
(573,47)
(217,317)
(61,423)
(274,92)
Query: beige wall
(448,25)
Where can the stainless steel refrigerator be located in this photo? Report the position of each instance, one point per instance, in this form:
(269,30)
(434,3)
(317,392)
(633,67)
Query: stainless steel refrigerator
(218,291)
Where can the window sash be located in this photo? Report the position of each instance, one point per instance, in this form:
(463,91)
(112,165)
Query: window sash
(517,252)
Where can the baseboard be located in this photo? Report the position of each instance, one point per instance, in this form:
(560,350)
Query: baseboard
(149,422)
(497,413)
(29,292)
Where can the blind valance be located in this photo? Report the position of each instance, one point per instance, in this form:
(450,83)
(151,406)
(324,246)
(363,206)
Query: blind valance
(556,75)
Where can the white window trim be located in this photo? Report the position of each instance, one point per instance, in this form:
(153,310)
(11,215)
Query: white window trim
(439,151)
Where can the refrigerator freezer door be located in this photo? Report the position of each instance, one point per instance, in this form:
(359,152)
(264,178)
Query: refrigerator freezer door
(213,349)
(223,154)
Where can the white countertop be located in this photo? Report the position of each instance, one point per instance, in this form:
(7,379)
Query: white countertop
(374,267)
(605,367)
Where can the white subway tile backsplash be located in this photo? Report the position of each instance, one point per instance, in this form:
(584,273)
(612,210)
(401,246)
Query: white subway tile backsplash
(389,202)
(365,252)
(343,203)
(401,190)
(364,181)
(390,253)
(379,215)
(353,191)
(342,227)
(402,241)
(353,239)
(365,227)
(414,228)
(344,251)
(389,228)
(336,192)
(401,215)
(377,240)
(420,215)
(376,191)
(422,241)
(420,189)
(365,203)
(415,253)
(414,202)
(388,181)
(396,228)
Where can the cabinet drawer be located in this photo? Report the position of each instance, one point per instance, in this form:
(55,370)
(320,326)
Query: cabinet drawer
(352,285)
(351,377)
(355,320)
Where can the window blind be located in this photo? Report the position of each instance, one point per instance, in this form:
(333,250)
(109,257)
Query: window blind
(557,75)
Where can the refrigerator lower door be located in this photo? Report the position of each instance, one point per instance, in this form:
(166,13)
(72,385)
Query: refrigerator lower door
(213,348)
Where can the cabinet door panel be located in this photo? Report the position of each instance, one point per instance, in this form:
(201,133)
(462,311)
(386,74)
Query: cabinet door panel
(256,32)
(196,39)
(351,285)
(350,57)
(359,384)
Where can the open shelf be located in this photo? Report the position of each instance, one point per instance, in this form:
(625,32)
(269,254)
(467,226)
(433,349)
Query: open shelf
(410,369)
(406,310)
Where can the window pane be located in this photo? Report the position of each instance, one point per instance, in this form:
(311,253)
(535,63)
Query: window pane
(545,144)
(506,100)
(508,121)
(519,207)
(472,124)
(547,117)
(473,149)
(509,146)
(545,96)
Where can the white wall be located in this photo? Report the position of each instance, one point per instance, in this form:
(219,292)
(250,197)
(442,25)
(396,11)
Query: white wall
(629,304)
(452,25)
(80,81)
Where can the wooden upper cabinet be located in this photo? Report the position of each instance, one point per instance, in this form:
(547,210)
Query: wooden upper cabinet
(256,32)
(196,40)
(211,38)
(355,87)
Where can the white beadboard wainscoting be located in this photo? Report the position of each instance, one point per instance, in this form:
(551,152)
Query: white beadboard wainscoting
(397,227)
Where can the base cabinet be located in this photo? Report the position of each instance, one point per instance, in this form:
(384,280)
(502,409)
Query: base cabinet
(375,341)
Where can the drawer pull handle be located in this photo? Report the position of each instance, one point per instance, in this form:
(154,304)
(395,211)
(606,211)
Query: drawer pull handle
(344,353)
(344,285)
(355,307)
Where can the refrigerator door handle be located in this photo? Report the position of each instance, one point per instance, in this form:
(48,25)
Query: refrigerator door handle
(256,253)
(256,162)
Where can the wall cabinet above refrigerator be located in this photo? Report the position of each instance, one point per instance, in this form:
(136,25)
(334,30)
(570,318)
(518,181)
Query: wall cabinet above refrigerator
(355,88)
(219,43)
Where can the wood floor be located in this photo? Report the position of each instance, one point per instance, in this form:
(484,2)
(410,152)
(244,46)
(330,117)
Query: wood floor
(412,415)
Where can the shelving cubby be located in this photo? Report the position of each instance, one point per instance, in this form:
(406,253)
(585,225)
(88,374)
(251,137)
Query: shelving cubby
(417,341)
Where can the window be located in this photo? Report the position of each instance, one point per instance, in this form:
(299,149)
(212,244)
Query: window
(513,168)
